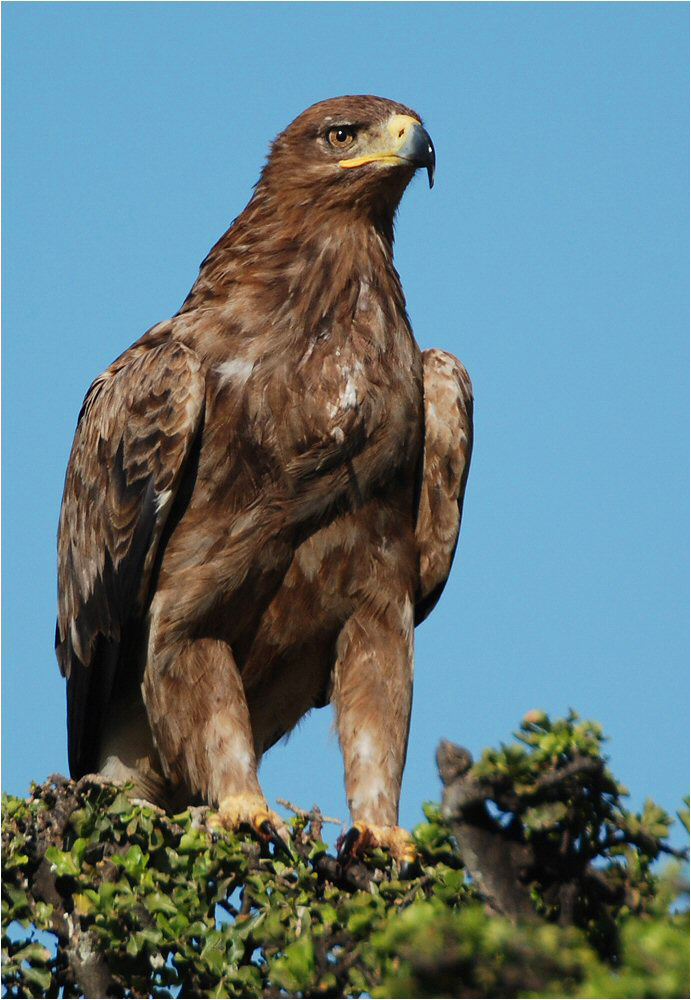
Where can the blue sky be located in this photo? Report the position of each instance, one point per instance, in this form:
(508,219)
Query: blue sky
(551,257)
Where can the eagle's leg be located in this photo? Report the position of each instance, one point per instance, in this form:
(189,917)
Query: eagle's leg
(198,712)
(372,695)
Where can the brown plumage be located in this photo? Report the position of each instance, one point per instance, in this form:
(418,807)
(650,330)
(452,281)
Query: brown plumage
(264,494)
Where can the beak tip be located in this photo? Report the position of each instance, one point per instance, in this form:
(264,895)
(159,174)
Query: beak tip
(430,160)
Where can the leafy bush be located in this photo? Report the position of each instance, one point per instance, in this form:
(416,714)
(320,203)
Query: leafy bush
(106,896)
(541,825)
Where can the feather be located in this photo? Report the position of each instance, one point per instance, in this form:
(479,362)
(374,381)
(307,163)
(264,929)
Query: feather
(448,448)
(264,492)
(127,452)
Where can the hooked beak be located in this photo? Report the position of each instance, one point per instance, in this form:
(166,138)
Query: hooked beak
(419,150)
(402,140)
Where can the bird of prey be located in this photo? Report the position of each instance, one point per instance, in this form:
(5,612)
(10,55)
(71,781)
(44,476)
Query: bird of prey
(264,495)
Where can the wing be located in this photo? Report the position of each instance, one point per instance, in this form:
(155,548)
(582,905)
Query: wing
(134,437)
(448,445)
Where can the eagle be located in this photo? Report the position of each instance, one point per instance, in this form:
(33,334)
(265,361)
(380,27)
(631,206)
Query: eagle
(264,495)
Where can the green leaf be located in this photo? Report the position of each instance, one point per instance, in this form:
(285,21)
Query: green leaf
(215,959)
(318,848)
(361,920)
(43,915)
(328,914)
(83,904)
(19,902)
(33,952)
(15,860)
(545,817)
(40,977)
(156,902)
(81,821)
(151,902)
(294,971)
(62,862)
(218,991)
(192,842)
(77,851)
(120,805)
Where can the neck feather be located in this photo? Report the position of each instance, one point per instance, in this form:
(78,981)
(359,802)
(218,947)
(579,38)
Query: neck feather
(302,264)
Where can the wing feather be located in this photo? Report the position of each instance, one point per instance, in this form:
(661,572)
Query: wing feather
(134,436)
(448,446)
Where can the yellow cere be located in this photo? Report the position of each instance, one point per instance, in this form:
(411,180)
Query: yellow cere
(384,149)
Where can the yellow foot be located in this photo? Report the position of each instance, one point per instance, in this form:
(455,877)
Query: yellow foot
(252,811)
(393,839)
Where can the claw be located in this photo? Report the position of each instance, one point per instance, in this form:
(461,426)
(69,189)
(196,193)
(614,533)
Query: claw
(408,869)
(347,847)
(251,811)
(391,838)
(269,834)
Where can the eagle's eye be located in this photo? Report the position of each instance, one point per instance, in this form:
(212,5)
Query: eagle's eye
(341,137)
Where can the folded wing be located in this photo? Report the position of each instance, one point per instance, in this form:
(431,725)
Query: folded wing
(134,438)
(448,446)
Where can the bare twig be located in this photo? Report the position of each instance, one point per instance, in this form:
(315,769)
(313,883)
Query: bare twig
(315,811)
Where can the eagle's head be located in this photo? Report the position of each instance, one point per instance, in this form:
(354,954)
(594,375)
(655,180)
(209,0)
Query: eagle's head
(349,152)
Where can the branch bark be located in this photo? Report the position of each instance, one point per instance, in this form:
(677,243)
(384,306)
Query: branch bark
(86,966)
(494,859)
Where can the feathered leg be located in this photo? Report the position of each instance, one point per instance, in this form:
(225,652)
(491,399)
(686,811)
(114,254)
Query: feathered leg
(198,713)
(373,685)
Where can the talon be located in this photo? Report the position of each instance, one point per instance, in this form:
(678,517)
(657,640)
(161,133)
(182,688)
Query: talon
(408,869)
(391,838)
(252,812)
(349,845)
(269,834)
